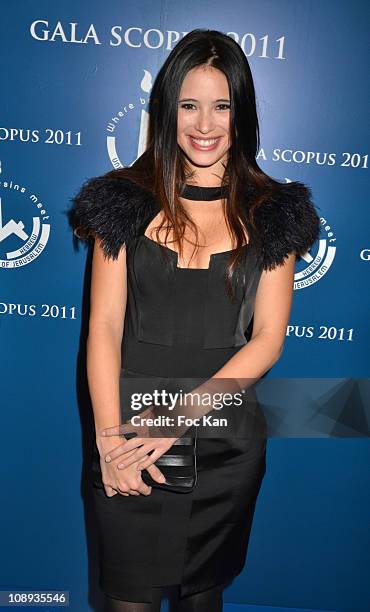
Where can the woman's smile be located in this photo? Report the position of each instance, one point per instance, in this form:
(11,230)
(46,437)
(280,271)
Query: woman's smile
(204,144)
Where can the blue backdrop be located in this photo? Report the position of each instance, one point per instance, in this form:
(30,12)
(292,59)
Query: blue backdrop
(76,78)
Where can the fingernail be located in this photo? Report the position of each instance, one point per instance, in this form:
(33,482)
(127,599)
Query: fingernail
(162,478)
(108,458)
(102,433)
(120,465)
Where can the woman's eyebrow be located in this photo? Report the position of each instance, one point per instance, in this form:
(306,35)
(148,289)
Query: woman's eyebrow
(194,100)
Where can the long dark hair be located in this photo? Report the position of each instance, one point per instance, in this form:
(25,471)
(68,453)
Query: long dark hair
(162,168)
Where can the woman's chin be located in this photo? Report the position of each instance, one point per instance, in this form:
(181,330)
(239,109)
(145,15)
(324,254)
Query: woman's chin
(202,160)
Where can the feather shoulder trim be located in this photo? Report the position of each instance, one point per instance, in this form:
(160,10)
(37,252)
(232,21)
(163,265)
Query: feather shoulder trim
(111,208)
(287,222)
(114,208)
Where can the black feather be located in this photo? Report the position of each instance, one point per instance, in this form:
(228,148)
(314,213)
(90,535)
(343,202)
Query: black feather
(114,209)
(288,223)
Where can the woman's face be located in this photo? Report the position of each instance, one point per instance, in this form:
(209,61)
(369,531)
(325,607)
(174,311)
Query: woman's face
(203,119)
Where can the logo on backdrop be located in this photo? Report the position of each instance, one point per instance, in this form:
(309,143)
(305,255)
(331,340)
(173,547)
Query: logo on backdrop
(117,124)
(24,230)
(312,267)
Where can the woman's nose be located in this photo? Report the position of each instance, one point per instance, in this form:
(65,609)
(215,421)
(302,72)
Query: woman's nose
(204,121)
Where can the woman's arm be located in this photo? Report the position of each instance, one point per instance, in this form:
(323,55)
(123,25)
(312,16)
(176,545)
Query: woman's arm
(106,325)
(271,316)
(108,299)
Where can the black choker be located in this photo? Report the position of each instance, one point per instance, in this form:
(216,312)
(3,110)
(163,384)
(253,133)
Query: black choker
(195,192)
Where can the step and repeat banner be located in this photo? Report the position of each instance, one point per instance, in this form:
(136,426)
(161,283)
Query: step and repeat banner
(76,79)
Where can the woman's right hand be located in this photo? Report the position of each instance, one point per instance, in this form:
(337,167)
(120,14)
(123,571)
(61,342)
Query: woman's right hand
(125,481)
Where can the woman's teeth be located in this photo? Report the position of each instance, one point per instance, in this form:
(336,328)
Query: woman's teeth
(204,143)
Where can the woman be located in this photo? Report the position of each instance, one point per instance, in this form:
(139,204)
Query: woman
(193,267)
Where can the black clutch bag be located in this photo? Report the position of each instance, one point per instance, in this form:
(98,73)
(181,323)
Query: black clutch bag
(178,465)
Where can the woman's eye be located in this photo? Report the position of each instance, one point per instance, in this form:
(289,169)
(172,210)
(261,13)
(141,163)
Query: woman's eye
(186,105)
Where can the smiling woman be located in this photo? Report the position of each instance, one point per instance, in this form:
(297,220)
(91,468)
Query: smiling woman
(192,279)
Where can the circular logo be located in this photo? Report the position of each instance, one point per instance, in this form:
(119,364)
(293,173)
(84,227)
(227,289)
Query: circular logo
(24,227)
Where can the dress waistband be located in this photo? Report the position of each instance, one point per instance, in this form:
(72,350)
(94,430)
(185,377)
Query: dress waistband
(170,361)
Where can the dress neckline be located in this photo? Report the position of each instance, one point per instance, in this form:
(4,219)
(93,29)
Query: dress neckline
(199,193)
(174,254)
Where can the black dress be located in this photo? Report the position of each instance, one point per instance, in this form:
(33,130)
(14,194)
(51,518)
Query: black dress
(181,323)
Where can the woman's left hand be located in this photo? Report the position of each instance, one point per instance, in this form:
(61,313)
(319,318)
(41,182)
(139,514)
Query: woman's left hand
(146,440)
